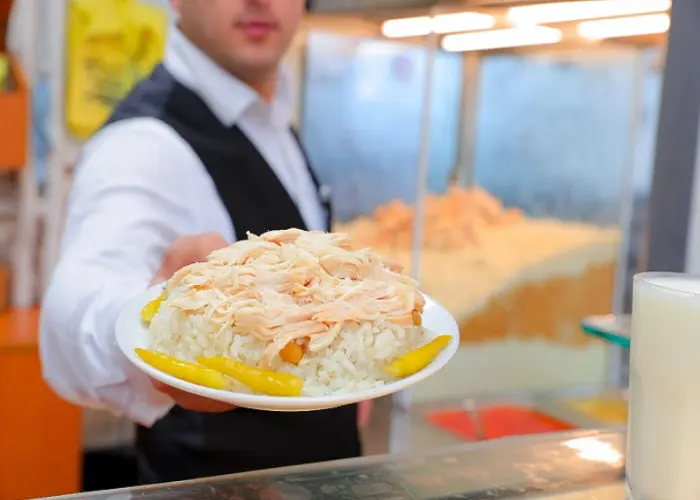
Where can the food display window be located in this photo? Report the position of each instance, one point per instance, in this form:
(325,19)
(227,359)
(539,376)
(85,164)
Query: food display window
(538,163)
(526,171)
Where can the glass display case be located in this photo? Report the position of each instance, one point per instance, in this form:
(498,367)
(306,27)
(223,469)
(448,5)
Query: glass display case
(529,194)
(572,466)
(537,161)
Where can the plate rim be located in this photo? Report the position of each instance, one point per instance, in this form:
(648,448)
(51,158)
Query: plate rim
(275,403)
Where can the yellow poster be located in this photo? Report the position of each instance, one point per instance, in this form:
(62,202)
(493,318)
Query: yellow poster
(112,45)
(4,71)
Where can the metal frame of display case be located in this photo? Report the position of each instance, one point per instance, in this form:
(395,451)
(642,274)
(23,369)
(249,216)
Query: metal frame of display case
(25,43)
(672,242)
(674,224)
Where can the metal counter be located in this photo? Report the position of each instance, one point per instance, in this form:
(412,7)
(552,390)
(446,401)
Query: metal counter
(575,466)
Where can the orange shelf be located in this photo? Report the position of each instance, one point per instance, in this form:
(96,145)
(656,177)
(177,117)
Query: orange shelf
(14,125)
(19,329)
(40,433)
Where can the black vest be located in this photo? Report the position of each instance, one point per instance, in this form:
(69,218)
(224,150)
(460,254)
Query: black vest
(188,444)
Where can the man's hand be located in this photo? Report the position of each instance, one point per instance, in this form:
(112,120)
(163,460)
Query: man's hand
(364,413)
(190,401)
(188,250)
(185,251)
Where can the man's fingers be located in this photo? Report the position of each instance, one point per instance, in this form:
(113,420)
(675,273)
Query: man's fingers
(364,413)
(167,268)
(209,242)
(158,278)
(192,401)
(164,388)
(203,405)
(188,250)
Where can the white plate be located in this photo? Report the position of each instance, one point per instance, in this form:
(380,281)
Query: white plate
(132,334)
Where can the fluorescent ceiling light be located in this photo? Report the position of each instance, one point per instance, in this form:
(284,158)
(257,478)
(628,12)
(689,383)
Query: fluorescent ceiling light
(624,26)
(581,10)
(445,23)
(410,26)
(500,39)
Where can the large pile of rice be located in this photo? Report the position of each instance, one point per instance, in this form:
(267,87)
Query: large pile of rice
(350,310)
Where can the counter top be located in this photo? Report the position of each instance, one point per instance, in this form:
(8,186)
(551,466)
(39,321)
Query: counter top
(39,456)
(574,465)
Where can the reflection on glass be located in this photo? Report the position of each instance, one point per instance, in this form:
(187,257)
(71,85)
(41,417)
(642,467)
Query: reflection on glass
(553,137)
(593,449)
(553,133)
(362,117)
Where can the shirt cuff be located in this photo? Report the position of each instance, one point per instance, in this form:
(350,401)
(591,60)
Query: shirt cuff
(143,407)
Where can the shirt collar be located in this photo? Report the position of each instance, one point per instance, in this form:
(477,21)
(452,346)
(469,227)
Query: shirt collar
(227,96)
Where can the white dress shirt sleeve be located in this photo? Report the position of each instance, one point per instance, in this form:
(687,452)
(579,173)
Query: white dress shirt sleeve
(134,193)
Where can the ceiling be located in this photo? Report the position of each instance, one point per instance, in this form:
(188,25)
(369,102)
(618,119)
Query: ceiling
(377,11)
(357,6)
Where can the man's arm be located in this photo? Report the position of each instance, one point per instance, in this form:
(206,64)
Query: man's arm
(133,195)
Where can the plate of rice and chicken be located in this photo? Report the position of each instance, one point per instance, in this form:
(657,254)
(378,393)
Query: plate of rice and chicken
(288,321)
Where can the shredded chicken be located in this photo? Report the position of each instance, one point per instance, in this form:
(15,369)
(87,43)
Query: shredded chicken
(453,220)
(294,285)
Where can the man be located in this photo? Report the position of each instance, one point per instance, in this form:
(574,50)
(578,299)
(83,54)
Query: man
(197,155)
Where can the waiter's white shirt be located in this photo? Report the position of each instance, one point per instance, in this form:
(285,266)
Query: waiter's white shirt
(138,186)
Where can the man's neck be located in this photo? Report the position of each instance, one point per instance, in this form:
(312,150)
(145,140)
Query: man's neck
(265,85)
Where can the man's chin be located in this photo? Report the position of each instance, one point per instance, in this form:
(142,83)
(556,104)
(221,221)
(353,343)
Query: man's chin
(258,62)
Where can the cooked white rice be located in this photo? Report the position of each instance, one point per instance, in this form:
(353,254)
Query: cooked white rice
(353,362)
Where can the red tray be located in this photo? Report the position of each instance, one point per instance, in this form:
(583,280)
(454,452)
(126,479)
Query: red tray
(496,422)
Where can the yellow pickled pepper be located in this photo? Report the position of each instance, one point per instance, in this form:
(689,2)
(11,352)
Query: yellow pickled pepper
(151,309)
(189,372)
(263,381)
(417,359)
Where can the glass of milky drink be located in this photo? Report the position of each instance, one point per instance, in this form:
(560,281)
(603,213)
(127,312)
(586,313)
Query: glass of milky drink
(663,440)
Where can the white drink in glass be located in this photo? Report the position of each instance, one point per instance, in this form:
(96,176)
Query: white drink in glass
(663,447)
